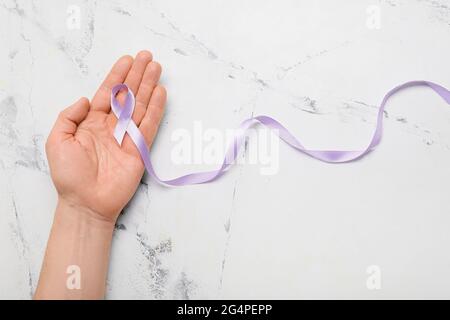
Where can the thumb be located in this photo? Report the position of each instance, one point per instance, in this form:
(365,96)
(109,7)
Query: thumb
(69,119)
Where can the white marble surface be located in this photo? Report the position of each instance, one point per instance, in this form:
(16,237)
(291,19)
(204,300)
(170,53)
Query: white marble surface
(309,231)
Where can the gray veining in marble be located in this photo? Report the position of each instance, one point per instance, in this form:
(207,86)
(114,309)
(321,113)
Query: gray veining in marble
(310,231)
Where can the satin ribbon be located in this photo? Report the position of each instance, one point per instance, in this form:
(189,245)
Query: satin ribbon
(126,125)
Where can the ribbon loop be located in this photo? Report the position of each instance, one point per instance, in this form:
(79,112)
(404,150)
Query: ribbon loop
(123,113)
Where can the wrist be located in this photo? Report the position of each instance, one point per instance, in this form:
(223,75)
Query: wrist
(73,212)
(79,238)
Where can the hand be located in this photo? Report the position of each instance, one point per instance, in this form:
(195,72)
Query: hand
(90,170)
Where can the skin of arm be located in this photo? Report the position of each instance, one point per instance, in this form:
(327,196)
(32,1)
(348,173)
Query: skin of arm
(95,177)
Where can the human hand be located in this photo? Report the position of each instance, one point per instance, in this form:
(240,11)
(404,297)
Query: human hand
(90,170)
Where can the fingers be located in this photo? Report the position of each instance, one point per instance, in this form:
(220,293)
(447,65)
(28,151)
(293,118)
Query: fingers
(69,119)
(155,110)
(136,73)
(149,81)
(118,74)
(141,75)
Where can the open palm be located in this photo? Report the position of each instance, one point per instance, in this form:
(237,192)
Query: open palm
(89,168)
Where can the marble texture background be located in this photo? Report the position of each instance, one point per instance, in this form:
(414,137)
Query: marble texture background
(310,231)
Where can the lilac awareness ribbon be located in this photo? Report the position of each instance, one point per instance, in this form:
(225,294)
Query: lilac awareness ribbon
(126,125)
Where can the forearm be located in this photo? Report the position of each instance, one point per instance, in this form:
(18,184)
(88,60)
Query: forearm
(77,256)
